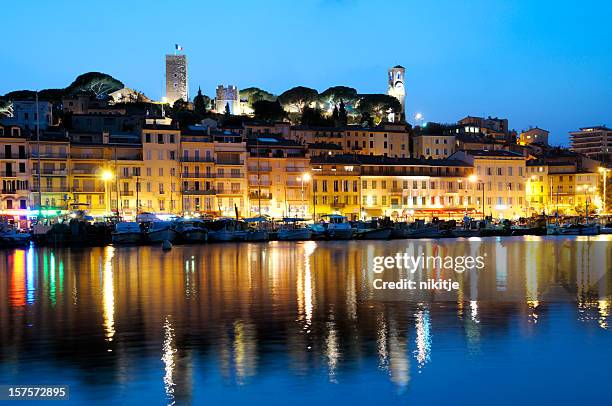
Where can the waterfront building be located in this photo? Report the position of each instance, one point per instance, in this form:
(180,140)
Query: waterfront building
(213,172)
(176,78)
(537,191)
(14,171)
(593,142)
(25,114)
(571,187)
(53,154)
(365,186)
(500,178)
(159,183)
(278,177)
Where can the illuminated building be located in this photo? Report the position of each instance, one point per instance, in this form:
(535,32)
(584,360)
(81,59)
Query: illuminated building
(228,96)
(396,87)
(213,172)
(159,182)
(278,178)
(503,176)
(571,188)
(594,142)
(436,146)
(91,155)
(14,172)
(533,136)
(176,78)
(387,139)
(360,186)
(538,191)
(54,170)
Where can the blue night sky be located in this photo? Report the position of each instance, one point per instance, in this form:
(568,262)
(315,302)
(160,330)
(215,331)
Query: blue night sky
(544,63)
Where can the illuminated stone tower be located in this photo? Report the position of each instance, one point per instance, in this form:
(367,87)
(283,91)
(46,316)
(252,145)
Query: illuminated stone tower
(396,86)
(176,78)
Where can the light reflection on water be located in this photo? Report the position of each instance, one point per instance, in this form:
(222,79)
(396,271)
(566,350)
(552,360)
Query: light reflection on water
(267,322)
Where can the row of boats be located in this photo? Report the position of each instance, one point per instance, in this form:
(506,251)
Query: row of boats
(149,229)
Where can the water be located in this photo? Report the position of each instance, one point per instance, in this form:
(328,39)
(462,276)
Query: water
(297,323)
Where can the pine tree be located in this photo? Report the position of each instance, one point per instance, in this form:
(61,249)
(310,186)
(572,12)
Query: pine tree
(227,110)
(342,115)
(199,103)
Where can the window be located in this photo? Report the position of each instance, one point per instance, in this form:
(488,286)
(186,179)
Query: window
(160,138)
(147,137)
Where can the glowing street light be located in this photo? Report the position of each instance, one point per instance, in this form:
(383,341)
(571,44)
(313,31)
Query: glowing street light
(474,179)
(304,178)
(106,175)
(604,171)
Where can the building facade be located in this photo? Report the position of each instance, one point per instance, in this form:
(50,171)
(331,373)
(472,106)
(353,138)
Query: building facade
(593,142)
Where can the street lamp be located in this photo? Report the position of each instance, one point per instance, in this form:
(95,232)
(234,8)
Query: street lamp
(106,176)
(604,171)
(474,179)
(304,178)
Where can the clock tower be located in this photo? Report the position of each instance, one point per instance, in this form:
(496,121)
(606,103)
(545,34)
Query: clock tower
(396,85)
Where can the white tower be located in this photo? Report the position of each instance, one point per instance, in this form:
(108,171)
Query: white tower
(396,86)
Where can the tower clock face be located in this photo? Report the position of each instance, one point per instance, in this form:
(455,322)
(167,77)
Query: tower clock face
(399,86)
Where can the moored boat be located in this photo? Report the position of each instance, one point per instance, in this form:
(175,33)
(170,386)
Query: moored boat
(191,230)
(338,227)
(127,232)
(292,229)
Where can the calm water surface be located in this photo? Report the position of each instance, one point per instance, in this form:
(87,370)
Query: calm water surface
(294,322)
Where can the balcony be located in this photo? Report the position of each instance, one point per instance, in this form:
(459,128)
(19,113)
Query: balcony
(262,196)
(262,182)
(199,192)
(53,189)
(197,175)
(337,205)
(260,169)
(126,193)
(13,156)
(294,169)
(229,162)
(51,172)
(89,190)
(85,172)
(296,183)
(50,155)
(396,191)
(230,192)
(235,175)
(197,159)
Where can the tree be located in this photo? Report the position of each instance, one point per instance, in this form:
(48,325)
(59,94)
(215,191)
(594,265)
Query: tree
(269,110)
(94,83)
(379,105)
(200,102)
(255,94)
(336,93)
(342,115)
(366,120)
(295,99)
(314,117)
(227,111)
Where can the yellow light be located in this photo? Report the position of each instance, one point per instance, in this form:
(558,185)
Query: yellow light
(306,177)
(107,175)
(472,178)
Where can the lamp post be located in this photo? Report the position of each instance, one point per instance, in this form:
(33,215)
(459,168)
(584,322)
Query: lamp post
(474,179)
(106,176)
(604,171)
(304,178)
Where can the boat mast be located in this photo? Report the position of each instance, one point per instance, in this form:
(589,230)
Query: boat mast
(38,157)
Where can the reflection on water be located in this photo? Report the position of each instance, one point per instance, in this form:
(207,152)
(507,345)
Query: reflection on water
(231,322)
